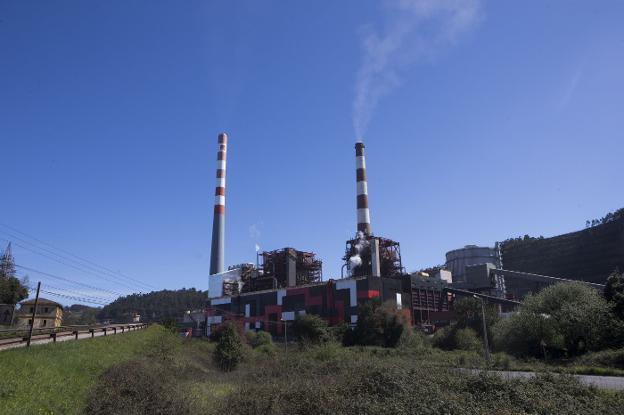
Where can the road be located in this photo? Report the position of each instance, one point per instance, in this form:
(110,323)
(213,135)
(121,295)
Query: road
(6,344)
(601,382)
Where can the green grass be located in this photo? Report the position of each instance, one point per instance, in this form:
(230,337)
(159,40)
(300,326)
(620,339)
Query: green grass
(55,378)
(84,376)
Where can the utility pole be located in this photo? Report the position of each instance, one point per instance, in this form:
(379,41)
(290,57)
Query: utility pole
(485,336)
(32,321)
(285,335)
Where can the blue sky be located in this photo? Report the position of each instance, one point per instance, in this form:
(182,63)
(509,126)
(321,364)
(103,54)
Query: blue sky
(492,120)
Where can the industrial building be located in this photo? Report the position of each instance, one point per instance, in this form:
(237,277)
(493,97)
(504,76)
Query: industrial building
(288,282)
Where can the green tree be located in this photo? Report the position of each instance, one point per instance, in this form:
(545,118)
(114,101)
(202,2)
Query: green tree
(567,316)
(12,290)
(469,314)
(614,292)
(368,331)
(310,329)
(229,351)
(379,325)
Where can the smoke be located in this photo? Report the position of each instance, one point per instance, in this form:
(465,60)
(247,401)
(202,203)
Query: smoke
(356,260)
(257,247)
(415,29)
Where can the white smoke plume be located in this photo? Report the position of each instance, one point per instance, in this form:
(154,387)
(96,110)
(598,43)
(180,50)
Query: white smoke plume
(414,30)
(356,260)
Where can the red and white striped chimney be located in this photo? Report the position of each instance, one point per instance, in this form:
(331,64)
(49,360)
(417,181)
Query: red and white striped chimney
(363,214)
(217,252)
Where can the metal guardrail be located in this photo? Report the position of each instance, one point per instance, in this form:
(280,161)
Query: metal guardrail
(66,331)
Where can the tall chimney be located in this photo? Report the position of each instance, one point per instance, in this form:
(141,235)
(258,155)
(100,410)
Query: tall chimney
(363,214)
(217,252)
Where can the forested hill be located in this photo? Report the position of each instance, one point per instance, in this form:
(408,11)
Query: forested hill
(154,306)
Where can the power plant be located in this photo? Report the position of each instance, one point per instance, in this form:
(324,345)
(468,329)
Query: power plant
(287,282)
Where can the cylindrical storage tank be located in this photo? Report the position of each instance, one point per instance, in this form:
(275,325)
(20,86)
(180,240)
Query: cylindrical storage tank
(458,259)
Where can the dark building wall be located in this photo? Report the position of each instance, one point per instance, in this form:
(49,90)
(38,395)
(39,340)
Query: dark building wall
(336,301)
(588,255)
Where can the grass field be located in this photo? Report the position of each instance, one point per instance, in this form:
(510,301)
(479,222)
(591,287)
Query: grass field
(55,378)
(152,371)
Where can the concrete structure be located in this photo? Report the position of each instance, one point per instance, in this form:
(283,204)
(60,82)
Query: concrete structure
(458,259)
(49,314)
(590,255)
(217,252)
(363,213)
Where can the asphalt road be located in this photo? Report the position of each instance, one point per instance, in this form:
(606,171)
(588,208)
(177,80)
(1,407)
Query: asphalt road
(601,382)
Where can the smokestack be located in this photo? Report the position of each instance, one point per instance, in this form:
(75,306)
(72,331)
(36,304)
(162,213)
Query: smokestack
(217,252)
(363,214)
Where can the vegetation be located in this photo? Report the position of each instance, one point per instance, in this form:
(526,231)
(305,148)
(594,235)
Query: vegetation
(56,378)
(565,319)
(377,325)
(156,306)
(614,292)
(12,289)
(609,217)
(229,351)
(310,329)
(130,376)
(80,315)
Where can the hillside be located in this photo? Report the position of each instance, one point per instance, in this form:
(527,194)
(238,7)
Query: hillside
(154,306)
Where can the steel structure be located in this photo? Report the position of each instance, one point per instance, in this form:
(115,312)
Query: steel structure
(390,264)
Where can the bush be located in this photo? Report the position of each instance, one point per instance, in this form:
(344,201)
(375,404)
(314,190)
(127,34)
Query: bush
(378,325)
(605,358)
(135,387)
(310,329)
(566,318)
(229,351)
(468,340)
(444,338)
(413,341)
(163,345)
(260,338)
(353,382)
(267,349)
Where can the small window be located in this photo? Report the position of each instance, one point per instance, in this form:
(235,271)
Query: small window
(45,322)
(32,309)
(30,322)
(46,310)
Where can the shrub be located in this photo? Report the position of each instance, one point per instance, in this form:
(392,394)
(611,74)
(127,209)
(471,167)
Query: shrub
(470,314)
(267,349)
(468,340)
(310,329)
(444,338)
(134,387)
(379,325)
(614,292)
(566,318)
(368,331)
(229,351)
(606,358)
(413,341)
(163,345)
(260,338)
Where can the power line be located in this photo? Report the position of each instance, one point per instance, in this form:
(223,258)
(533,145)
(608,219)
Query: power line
(84,300)
(108,270)
(68,280)
(70,265)
(77,293)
